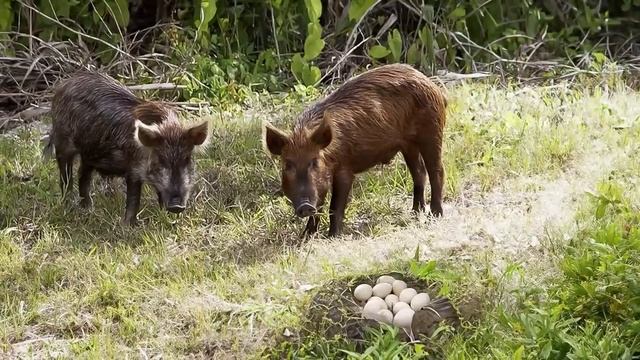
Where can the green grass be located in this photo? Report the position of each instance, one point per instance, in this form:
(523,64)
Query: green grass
(227,277)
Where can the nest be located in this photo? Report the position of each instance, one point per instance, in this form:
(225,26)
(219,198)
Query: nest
(335,312)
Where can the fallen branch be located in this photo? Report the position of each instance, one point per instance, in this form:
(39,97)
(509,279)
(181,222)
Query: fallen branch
(159,86)
(25,115)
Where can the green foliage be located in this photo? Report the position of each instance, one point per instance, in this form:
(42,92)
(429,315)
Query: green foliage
(301,67)
(395,45)
(313,44)
(204,14)
(442,34)
(6,15)
(357,8)
(379,52)
(382,343)
(591,311)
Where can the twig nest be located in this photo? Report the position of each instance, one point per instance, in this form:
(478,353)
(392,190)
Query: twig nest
(407,294)
(363,292)
(404,318)
(399,306)
(398,286)
(391,300)
(420,301)
(372,307)
(385,279)
(381,290)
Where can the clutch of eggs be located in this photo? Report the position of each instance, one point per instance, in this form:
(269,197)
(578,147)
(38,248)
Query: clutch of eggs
(390,301)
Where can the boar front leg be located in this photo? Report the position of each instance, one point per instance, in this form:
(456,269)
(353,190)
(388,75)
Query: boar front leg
(341,187)
(84,184)
(134,189)
(314,220)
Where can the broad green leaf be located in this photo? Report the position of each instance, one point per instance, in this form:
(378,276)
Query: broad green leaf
(517,355)
(413,54)
(533,23)
(394,41)
(120,12)
(357,8)
(600,210)
(314,29)
(458,13)
(311,75)
(312,48)
(297,65)
(378,52)
(314,9)
(427,12)
(207,11)
(313,44)
(6,15)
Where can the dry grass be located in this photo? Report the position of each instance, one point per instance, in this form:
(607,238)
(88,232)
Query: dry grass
(229,276)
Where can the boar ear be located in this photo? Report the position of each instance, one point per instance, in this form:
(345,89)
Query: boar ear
(198,134)
(147,135)
(322,135)
(273,139)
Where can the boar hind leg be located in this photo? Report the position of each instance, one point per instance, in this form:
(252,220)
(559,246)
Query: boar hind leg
(134,189)
(432,155)
(84,184)
(419,175)
(341,187)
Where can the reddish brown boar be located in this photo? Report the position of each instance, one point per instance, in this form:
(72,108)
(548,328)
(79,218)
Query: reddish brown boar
(117,134)
(367,121)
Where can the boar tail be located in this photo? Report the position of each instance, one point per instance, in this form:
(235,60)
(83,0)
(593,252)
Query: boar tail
(49,150)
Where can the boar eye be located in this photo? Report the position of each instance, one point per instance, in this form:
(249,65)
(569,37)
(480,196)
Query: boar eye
(314,163)
(288,165)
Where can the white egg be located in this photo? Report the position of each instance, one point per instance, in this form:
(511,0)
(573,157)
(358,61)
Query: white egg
(363,292)
(407,294)
(404,318)
(385,279)
(420,301)
(372,308)
(391,300)
(398,286)
(399,306)
(382,290)
(385,316)
(373,305)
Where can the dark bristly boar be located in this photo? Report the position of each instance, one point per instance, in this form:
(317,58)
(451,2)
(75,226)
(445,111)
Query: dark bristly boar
(366,122)
(117,134)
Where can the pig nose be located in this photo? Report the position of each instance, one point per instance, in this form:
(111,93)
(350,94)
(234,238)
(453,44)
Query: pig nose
(305,209)
(175,205)
(176,209)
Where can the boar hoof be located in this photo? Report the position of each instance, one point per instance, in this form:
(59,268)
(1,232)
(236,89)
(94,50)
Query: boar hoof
(129,222)
(436,210)
(308,233)
(86,203)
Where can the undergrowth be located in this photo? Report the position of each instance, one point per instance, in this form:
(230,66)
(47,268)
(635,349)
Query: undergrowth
(589,311)
(229,274)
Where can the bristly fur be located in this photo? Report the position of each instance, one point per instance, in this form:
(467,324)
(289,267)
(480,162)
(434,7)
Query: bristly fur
(368,120)
(97,118)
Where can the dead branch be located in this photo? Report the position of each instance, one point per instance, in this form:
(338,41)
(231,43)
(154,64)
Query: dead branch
(159,86)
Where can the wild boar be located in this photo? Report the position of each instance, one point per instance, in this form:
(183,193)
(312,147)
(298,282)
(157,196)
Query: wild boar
(366,122)
(120,135)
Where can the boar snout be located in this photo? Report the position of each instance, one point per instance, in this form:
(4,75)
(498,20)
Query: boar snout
(305,209)
(176,204)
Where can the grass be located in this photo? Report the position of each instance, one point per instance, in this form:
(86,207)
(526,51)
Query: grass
(226,278)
